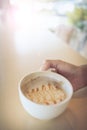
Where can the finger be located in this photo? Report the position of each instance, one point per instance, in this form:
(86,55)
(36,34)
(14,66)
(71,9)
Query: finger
(47,64)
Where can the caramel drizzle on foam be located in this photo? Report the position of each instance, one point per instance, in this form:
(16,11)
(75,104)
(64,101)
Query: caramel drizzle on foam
(46,94)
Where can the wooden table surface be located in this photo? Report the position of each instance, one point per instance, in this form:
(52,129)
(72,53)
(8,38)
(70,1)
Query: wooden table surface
(22,52)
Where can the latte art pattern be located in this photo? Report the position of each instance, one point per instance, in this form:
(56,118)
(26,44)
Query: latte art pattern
(46,94)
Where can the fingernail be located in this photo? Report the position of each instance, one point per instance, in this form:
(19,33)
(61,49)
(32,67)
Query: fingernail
(43,62)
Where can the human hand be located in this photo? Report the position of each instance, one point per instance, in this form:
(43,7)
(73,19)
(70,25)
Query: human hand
(73,73)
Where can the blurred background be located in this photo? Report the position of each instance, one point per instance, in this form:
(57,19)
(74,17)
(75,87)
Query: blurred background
(67,19)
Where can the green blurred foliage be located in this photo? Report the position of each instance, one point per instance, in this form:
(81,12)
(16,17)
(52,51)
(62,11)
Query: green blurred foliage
(78,16)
